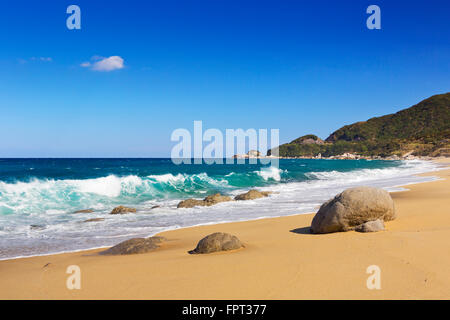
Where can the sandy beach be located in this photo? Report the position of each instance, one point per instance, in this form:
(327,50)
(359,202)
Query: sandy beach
(281,260)
(213,158)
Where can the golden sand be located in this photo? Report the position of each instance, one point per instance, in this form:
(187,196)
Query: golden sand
(281,260)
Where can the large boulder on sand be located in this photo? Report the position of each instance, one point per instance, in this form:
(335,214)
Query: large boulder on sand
(208,201)
(352,208)
(135,245)
(218,241)
(122,210)
(252,194)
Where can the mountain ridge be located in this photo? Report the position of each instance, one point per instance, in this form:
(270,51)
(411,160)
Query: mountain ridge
(420,130)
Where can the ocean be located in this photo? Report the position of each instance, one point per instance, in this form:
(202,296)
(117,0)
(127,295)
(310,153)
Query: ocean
(38,197)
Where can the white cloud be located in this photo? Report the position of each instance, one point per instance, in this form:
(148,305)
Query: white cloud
(105,64)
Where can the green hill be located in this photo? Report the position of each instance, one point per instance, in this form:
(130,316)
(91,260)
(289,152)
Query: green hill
(423,129)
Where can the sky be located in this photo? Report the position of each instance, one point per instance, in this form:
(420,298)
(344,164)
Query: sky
(138,70)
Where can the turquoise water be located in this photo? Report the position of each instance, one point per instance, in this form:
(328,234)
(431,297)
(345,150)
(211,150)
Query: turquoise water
(30,186)
(38,196)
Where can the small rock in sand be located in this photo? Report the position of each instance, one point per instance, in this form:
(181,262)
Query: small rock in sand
(135,245)
(218,241)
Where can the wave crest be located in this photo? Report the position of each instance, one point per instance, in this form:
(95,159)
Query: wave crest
(42,195)
(268,173)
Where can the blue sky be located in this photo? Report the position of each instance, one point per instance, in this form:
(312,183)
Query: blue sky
(299,66)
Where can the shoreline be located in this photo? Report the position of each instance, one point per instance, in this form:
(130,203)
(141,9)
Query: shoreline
(346,156)
(395,186)
(177,273)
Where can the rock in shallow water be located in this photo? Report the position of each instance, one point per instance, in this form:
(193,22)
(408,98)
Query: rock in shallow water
(84,211)
(252,194)
(208,201)
(37,227)
(190,203)
(122,210)
(216,198)
(134,246)
(218,241)
(94,220)
(352,208)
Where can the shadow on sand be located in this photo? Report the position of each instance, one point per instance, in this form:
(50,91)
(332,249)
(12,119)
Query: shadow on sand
(304,230)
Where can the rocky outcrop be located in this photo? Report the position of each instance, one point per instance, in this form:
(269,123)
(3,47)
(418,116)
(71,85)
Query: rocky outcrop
(122,210)
(371,226)
(423,128)
(442,152)
(250,154)
(218,241)
(216,198)
(254,154)
(352,208)
(84,211)
(208,201)
(252,194)
(308,139)
(190,203)
(135,245)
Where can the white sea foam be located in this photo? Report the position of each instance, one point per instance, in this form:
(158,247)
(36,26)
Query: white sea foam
(168,178)
(110,186)
(268,173)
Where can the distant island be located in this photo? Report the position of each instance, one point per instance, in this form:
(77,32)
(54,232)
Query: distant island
(421,130)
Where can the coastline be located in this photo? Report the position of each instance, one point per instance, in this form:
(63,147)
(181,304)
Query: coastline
(299,187)
(346,156)
(281,260)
